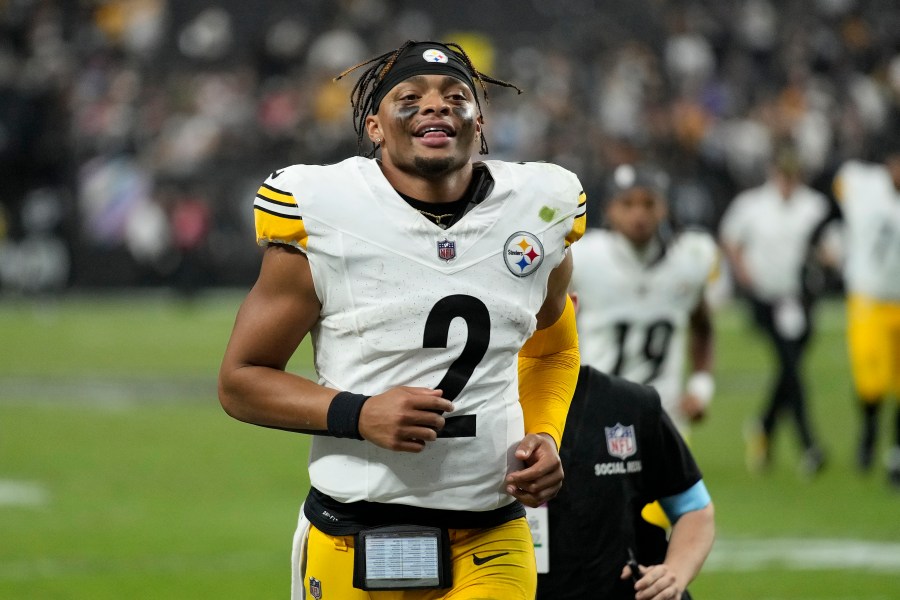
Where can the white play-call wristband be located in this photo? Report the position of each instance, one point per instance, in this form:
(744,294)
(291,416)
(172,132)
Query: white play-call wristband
(701,385)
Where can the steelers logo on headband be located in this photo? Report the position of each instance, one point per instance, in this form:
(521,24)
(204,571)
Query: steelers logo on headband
(434,55)
(423,58)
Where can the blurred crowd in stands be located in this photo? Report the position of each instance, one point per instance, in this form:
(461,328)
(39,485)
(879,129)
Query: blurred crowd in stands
(134,133)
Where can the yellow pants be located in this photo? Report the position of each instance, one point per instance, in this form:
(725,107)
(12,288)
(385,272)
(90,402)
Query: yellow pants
(511,575)
(873,337)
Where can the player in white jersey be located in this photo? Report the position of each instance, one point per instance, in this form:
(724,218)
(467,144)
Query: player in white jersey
(434,291)
(869,196)
(641,291)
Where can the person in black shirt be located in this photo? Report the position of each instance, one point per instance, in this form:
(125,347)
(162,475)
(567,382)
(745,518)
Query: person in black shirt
(620,451)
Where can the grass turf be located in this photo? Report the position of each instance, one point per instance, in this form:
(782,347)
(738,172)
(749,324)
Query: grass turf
(120,476)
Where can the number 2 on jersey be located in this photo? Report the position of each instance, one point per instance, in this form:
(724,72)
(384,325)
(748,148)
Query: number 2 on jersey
(437,329)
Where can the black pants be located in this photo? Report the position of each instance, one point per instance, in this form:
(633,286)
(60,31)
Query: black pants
(788,394)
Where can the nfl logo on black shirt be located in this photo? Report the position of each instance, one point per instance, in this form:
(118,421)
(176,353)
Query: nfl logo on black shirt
(620,441)
(446,250)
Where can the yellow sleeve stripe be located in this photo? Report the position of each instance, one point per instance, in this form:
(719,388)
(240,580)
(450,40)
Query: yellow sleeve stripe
(267,192)
(275,228)
(275,202)
(580,223)
(285,211)
(278,218)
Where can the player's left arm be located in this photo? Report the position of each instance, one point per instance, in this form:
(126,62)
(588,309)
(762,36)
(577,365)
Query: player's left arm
(548,371)
(700,385)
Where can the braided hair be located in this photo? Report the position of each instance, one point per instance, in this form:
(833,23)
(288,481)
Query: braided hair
(362,97)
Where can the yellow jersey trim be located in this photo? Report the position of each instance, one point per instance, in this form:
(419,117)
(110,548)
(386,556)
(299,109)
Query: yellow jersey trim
(580,224)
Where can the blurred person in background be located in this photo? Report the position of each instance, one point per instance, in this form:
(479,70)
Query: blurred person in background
(424,278)
(190,226)
(869,197)
(768,233)
(641,284)
(210,90)
(620,452)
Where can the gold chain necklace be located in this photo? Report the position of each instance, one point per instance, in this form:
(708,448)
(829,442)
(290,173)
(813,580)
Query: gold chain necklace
(435,218)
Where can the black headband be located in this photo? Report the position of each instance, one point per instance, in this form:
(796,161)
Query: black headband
(423,58)
(628,176)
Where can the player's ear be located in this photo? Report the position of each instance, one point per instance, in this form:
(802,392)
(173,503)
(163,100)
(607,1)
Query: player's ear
(373,129)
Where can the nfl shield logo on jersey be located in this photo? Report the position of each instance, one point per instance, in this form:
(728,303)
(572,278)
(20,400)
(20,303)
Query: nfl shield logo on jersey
(446,250)
(620,441)
(315,588)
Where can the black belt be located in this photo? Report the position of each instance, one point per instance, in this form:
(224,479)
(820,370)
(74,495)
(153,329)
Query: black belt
(348,518)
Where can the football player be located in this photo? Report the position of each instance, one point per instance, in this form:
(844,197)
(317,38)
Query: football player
(869,196)
(434,290)
(641,287)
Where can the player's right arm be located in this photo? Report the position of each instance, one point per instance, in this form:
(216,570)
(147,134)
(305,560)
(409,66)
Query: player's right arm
(700,384)
(278,313)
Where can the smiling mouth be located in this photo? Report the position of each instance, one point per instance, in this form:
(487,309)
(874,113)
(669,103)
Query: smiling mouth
(434,132)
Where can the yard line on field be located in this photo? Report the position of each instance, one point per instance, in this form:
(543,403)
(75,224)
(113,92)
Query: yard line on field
(727,556)
(796,554)
(22,493)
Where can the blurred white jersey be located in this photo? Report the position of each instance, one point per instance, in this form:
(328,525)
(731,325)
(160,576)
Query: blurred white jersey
(871,207)
(774,234)
(405,302)
(633,313)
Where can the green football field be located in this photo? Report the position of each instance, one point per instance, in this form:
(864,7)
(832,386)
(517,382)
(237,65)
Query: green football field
(121,477)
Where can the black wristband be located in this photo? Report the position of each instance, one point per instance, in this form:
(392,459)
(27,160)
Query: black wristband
(343,415)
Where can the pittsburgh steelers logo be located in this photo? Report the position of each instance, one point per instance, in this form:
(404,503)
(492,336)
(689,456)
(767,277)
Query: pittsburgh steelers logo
(523,253)
(434,55)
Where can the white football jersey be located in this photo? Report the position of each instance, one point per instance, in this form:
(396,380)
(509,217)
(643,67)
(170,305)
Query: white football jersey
(871,207)
(633,315)
(405,302)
